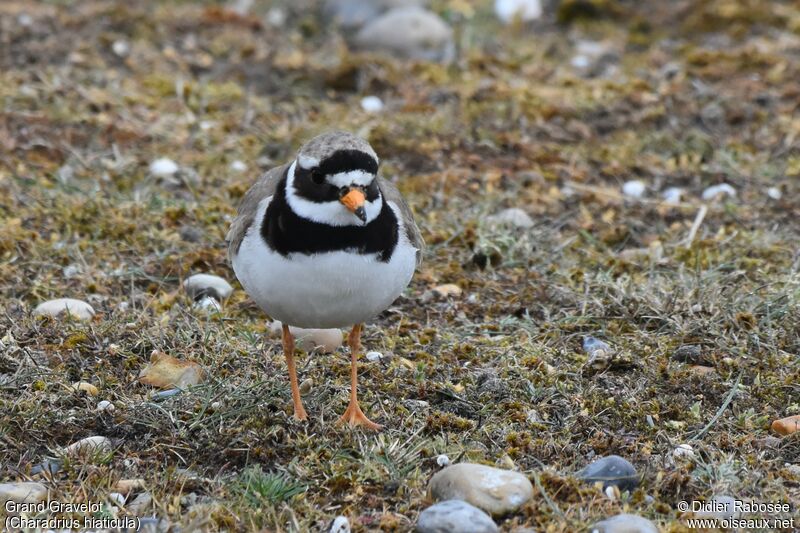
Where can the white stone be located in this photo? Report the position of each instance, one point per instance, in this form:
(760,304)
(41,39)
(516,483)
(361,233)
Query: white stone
(723,507)
(496,491)
(276,17)
(22,492)
(105,405)
(121,47)
(24,20)
(512,216)
(323,340)
(634,188)
(117,498)
(455,516)
(624,523)
(70,271)
(208,305)
(238,166)
(411,32)
(75,308)
(200,285)
(340,524)
(683,451)
(774,193)
(525,10)
(89,445)
(723,189)
(374,356)
(372,104)
(580,61)
(163,167)
(672,195)
(442,460)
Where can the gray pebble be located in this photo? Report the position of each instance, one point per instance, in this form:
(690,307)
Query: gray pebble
(165,394)
(624,523)
(410,32)
(455,516)
(199,286)
(611,471)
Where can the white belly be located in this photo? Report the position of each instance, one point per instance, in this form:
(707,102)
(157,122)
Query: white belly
(328,290)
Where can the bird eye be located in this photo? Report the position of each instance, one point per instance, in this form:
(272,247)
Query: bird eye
(317,176)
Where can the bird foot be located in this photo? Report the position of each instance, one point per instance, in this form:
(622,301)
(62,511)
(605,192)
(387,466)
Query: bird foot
(300,413)
(354,416)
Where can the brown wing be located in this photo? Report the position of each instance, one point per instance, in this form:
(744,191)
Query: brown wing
(263,188)
(391,194)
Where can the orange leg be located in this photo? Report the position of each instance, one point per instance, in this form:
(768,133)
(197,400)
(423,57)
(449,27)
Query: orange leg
(288,352)
(354,415)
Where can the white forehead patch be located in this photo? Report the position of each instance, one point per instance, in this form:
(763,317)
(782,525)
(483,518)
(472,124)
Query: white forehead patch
(307,162)
(352,177)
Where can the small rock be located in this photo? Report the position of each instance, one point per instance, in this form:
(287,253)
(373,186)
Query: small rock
(624,523)
(190,233)
(74,308)
(683,451)
(88,388)
(140,504)
(446,290)
(701,370)
(238,166)
(634,188)
(689,353)
(306,385)
(22,492)
(117,498)
(374,356)
(48,466)
(164,371)
(372,104)
(152,524)
(121,48)
(774,193)
(70,271)
(322,340)
(786,426)
(672,195)
(718,507)
(416,405)
(410,32)
(611,470)
(455,516)
(165,394)
(207,304)
(512,216)
(105,406)
(276,17)
(340,524)
(509,10)
(200,285)
(25,20)
(442,460)
(89,446)
(163,167)
(496,491)
(126,486)
(592,344)
(723,189)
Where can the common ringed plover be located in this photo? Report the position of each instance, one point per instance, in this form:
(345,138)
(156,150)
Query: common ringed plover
(323,242)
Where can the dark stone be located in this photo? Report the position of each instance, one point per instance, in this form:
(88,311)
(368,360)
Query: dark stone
(611,471)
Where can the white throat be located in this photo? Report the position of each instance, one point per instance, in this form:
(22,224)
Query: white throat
(330,213)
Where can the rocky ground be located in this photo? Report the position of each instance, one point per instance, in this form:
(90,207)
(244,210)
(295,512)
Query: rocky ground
(609,194)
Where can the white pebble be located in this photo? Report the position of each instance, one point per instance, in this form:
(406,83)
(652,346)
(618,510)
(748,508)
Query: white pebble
(24,20)
(513,216)
(71,271)
(117,498)
(121,47)
(96,444)
(372,104)
(721,189)
(672,195)
(683,450)
(634,188)
(508,10)
(442,460)
(774,193)
(340,524)
(374,356)
(163,167)
(238,166)
(207,285)
(75,308)
(326,340)
(276,17)
(105,405)
(215,406)
(580,61)
(208,304)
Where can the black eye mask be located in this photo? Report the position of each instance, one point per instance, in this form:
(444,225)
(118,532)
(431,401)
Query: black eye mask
(311,185)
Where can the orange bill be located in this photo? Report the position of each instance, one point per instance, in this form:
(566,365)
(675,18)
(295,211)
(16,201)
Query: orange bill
(353,199)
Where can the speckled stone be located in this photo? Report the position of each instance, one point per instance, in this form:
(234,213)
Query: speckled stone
(496,491)
(22,492)
(455,516)
(624,523)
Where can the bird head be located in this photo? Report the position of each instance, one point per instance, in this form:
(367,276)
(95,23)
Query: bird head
(333,180)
